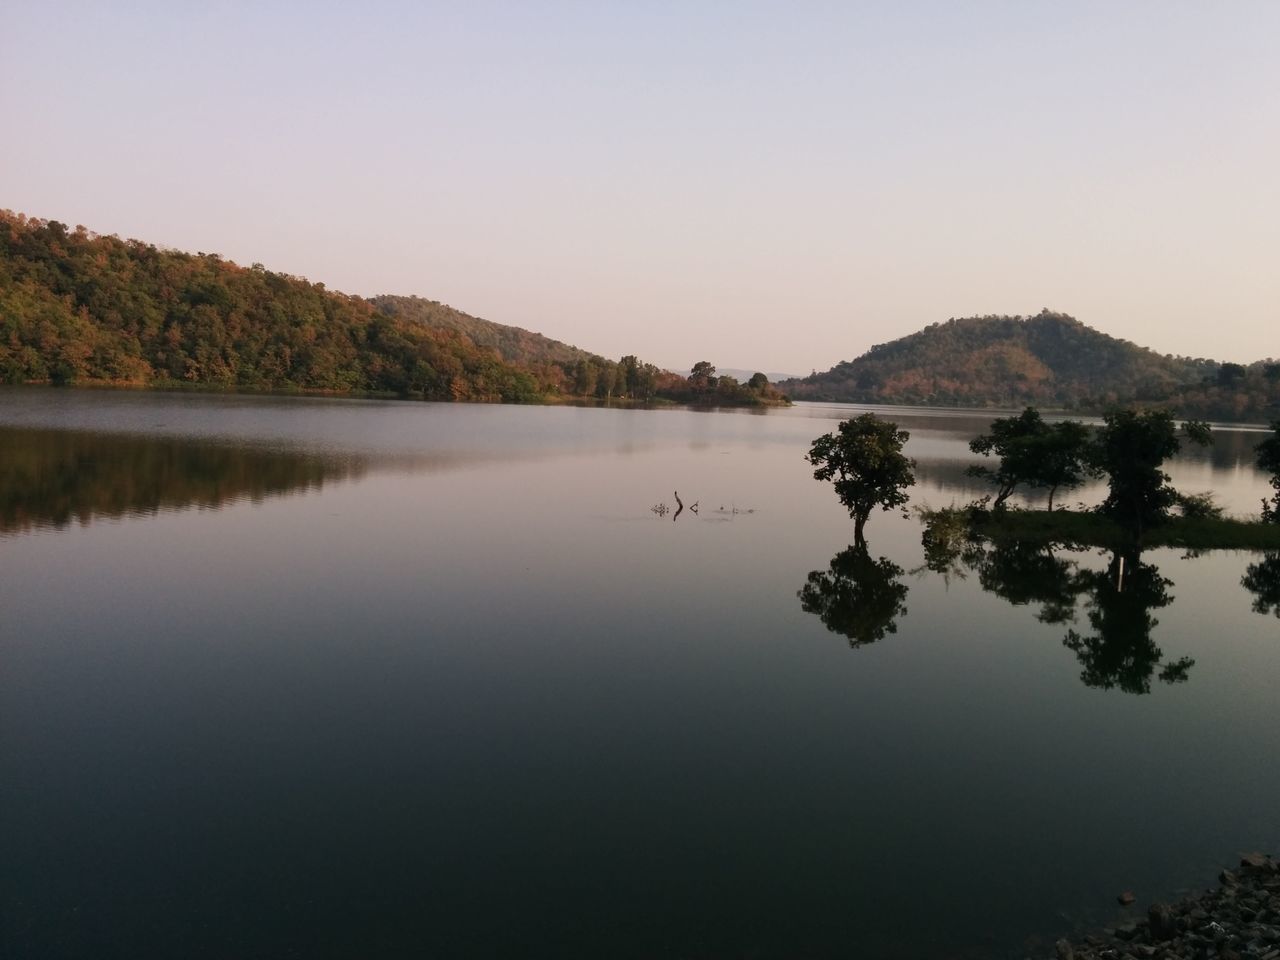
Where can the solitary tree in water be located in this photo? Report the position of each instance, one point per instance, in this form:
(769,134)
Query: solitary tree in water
(864,459)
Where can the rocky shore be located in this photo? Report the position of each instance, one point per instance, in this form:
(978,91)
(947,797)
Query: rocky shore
(1240,919)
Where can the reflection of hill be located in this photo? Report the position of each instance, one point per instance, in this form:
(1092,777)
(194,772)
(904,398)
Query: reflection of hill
(49,478)
(856,596)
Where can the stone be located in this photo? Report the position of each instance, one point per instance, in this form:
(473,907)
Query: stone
(1065,952)
(1161,921)
(1127,931)
(1126,898)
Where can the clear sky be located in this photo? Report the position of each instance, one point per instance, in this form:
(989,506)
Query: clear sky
(766,185)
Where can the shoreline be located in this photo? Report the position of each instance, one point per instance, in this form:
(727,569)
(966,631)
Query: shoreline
(1238,919)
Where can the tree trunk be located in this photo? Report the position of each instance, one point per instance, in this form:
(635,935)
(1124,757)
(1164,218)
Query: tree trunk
(859,521)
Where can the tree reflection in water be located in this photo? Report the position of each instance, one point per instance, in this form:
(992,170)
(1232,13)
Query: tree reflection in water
(1118,652)
(53,478)
(1262,579)
(1121,653)
(856,596)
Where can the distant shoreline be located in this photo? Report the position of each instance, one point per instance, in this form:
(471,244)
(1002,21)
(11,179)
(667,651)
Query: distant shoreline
(179,386)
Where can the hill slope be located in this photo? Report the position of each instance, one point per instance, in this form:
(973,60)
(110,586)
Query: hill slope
(76,307)
(1049,358)
(513,344)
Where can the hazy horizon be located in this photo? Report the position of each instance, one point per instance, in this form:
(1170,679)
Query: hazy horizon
(766,187)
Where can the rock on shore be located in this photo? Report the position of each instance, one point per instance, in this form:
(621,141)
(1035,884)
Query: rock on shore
(1240,919)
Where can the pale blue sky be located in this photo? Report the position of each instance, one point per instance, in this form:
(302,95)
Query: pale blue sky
(765,185)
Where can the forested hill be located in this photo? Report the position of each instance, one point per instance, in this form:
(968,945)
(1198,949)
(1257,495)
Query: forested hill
(1048,359)
(76,307)
(514,344)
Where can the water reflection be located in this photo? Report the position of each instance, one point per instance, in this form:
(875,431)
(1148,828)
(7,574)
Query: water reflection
(1026,573)
(1121,653)
(856,596)
(50,478)
(1262,579)
(1118,652)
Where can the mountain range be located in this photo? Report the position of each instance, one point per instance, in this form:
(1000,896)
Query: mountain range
(78,307)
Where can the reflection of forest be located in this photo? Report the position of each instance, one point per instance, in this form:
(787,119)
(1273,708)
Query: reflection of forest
(1118,650)
(49,478)
(856,596)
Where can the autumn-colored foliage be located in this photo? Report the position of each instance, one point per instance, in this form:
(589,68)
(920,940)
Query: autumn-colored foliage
(1049,359)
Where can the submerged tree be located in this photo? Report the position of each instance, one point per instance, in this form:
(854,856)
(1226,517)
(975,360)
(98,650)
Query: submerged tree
(856,596)
(1130,449)
(1269,460)
(864,459)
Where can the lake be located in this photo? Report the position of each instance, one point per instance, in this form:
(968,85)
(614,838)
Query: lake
(289,677)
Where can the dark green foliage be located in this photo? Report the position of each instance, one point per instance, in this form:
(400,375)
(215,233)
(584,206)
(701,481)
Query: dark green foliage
(1097,530)
(1033,453)
(864,459)
(1047,360)
(1262,579)
(1130,449)
(1121,652)
(1030,573)
(1269,460)
(856,596)
(1199,506)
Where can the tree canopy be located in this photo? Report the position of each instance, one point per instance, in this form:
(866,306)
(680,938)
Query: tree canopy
(1269,460)
(1033,453)
(1130,448)
(864,460)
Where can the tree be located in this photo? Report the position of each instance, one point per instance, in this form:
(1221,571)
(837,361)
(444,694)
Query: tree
(1064,458)
(864,459)
(758,382)
(1033,453)
(1230,374)
(702,378)
(1130,449)
(1269,460)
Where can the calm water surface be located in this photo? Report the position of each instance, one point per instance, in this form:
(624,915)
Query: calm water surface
(289,677)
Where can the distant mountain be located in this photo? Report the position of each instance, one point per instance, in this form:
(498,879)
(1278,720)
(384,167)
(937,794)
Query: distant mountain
(1046,359)
(513,344)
